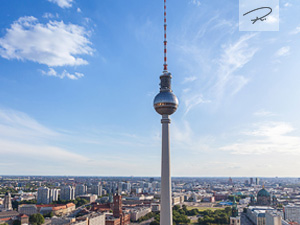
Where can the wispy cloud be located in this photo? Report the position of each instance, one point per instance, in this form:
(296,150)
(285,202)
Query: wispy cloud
(195,2)
(189,79)
(50,15)
(263,113)
(53,73)
(267,138)
(284,51)
(296,30)
(54,43)
(287,4)
(62,3)
(24,141)
(234,57)
(191,100)
(183,137)
(22,136)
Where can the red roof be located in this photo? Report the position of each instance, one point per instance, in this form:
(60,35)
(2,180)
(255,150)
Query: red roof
(5,219)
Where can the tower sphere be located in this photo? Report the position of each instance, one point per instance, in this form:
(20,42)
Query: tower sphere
(165,103)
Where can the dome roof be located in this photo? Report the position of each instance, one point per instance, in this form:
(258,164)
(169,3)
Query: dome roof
(263,192)
(165,103)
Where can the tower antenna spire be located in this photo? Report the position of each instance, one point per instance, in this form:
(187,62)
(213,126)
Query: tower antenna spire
(165,36)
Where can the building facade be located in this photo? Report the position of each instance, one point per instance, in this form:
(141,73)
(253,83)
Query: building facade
(67,193)
(81,189)
(54,195)
(7,201)
(273,218)
(96,190)
(138,213)
(27,209)
(43,195)
(292,213)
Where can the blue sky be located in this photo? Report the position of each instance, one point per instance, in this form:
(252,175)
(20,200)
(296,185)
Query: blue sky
(78,78)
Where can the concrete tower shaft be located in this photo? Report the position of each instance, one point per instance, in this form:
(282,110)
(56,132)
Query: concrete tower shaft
(165,103)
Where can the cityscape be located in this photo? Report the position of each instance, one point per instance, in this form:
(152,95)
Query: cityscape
(136,200)
(148,112)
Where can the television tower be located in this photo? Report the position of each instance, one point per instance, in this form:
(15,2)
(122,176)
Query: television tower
(165,103)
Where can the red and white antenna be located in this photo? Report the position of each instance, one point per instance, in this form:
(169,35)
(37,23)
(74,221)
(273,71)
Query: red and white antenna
(165,36)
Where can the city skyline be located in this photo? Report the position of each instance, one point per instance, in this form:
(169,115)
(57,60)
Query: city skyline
(78,79)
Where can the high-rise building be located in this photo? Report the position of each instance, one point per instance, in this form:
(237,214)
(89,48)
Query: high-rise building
(273,217)
(53,195)
(67,193)
(165,104)
(80,189)
(96,189)
(7,201)
(46,195)
(257,181)
(292,213)
(251,180)
(43,195)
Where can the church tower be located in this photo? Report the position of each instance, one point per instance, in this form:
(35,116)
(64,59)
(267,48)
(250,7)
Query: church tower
(117,207)
(235,219)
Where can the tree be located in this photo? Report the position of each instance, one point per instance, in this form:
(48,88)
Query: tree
(50,214)
(37,219)
(176,207)
(80,202)
(17,222)
(184,208)
(154,223)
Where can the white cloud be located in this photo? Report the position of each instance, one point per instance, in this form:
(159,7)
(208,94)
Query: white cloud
(183,137)
(263,113)
(234,57)
(284,51)
(62,3)
(13,123)
(272,19)
(22,136)
(267,138)
(189,79)
(64,74)
(287,4)
(78,10)
(191,100)
(50,15)
(296,31)
(195,2)
(52,44)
